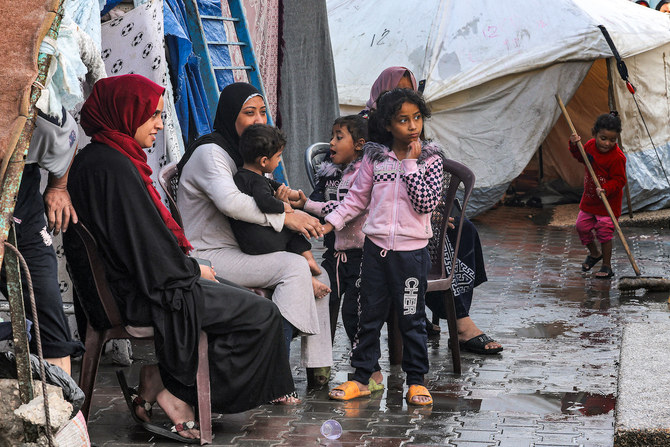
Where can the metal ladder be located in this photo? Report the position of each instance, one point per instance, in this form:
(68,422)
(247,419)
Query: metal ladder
(208,35)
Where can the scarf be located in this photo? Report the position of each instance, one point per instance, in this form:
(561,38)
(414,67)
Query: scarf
(232,99)
(111,115)
(388,80)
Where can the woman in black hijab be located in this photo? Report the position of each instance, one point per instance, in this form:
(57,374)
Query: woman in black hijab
(207,197)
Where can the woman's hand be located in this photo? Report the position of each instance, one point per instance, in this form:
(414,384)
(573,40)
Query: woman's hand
(414,149)
(58,208)
(450,223)
(207,272)
(301,222)
(299,203)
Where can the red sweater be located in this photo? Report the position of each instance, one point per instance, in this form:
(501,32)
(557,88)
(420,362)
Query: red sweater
(610,168)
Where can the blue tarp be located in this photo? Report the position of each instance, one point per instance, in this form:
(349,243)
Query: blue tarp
(215,32)
(109,6)
(190,99)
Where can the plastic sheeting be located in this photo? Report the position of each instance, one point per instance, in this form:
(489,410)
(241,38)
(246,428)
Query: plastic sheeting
(190,100)
(492,69)
(214,32)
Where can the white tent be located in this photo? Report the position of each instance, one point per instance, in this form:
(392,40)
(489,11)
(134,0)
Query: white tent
(492,68)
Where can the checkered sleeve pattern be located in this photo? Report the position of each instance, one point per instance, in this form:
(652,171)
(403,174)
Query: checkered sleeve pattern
(424,188)
(329,207)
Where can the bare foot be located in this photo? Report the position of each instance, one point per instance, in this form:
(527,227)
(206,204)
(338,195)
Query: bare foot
(339,393)
(377,377)
(178,411)
(320,289)
(150,385)
(467,329)
(289,399)
(313,265)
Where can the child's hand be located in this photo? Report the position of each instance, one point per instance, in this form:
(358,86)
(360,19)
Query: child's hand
(414,149)
(282,193)
(327,228)
(600,191)
(288,208)
(574,138)
(300,201)
(450,223)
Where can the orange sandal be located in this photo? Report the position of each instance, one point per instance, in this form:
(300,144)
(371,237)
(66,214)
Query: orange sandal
(351,391)
(418,390)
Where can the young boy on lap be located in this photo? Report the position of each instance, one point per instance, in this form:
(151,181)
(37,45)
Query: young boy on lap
(261,147)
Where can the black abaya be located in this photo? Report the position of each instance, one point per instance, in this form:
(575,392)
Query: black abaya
(155,284)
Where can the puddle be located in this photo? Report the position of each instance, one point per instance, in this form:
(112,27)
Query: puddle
(544,330)
(576,403)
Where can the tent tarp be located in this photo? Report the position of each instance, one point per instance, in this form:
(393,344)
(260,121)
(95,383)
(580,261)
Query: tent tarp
(492,69)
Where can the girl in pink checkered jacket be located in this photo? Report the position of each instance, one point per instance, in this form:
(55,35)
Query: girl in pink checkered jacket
(399,183)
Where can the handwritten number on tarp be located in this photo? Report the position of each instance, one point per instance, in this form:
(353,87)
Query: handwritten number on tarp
(382,37)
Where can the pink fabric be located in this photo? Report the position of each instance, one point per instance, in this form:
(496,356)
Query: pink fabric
(351,235)
(388,80)
(587,224)
(263,20)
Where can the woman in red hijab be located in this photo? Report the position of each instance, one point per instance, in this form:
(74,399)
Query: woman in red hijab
(155,283)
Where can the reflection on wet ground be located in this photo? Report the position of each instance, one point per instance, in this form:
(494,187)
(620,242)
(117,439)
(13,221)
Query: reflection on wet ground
(554,384)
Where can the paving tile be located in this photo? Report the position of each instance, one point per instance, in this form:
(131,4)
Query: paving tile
(561,331)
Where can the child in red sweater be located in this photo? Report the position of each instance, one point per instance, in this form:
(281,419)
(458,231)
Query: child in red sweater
(609,164)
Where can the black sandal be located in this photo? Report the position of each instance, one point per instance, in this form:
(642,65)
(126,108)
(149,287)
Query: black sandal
(589,262)
(608,273)
(478,344)
(173,431)
(133,398)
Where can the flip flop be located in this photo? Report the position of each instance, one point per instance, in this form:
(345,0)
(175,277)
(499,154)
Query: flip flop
(351,391)
(418,390)
(172,431)
(133,398)
(374,386)
(478,344)
(290,399)
(589,262)
(608,273)
(318,377)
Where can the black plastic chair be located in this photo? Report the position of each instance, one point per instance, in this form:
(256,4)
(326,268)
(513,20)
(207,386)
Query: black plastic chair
(314,156)
(169,181)
(455,174)
(104,322)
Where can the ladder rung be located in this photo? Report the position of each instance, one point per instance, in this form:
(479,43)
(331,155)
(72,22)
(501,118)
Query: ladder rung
(227,19)
(244,67)
(241,44)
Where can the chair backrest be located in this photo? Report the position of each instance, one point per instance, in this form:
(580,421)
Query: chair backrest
(314,156)
(169,181)
(88,277)
(454,174)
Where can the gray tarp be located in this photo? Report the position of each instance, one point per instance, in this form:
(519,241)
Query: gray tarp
(308,102)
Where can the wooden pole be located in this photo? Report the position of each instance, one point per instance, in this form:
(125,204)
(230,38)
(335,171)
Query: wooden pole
(603,197)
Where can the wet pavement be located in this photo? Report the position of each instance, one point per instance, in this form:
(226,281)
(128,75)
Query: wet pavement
(554,384)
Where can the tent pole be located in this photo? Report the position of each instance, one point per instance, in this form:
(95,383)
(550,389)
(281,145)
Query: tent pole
(612,105)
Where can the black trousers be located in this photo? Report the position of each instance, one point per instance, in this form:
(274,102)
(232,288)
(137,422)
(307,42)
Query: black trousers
(344,272)
(399,277)
(34,243)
